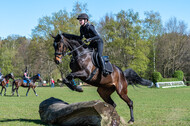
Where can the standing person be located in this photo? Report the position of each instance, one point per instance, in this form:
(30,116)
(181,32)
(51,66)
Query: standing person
(7,84)
(88,31)
(26,77)
(52,83)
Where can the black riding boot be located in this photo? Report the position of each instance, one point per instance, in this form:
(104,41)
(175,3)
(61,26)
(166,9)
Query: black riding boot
(72,85)
(102,63)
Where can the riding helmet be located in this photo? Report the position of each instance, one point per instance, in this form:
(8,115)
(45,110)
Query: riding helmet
(82,16)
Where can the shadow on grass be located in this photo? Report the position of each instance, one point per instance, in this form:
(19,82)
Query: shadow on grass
(15,96)
(36,121)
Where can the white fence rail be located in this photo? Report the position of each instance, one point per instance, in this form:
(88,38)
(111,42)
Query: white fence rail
(170,84)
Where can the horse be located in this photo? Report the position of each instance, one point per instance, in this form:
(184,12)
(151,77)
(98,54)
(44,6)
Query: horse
(133,78)
(4,81)
(23,83)
(82,67)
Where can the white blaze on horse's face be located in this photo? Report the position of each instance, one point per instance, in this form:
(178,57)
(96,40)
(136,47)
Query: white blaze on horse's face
(60,49)
(58,52)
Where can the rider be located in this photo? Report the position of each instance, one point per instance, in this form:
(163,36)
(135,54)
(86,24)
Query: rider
(88,31)
(26,77)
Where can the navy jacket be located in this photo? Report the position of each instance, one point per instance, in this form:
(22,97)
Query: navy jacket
(88,31)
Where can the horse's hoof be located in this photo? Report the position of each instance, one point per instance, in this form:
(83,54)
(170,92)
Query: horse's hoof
(18,95)
(130,122)
(36,95)
(79,89)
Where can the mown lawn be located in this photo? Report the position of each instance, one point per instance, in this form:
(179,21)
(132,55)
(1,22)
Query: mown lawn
(170,107)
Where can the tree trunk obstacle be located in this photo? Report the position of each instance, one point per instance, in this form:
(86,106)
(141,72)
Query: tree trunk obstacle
(91,113)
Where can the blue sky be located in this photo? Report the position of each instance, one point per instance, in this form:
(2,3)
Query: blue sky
(21,16)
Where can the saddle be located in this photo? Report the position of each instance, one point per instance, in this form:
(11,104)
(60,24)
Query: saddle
(95,61)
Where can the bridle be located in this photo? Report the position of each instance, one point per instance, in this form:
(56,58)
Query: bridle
(65,53)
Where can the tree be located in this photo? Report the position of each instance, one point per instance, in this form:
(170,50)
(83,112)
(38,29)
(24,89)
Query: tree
(152,27)
(122,34)
(172,50)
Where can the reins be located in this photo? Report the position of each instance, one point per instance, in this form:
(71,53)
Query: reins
(68,53)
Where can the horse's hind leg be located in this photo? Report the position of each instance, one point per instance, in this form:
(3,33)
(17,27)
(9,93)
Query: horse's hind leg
(27,91)
(105,94)
(122,92)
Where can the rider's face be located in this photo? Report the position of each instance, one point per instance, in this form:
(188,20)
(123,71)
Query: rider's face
(81,21)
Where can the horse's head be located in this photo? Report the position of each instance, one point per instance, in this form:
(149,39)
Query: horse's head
(10,76)
(60,46)
(39,77)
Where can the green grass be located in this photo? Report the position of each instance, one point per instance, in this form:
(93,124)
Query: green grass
(152,107)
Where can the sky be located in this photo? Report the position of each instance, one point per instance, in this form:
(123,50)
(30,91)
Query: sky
(19,17)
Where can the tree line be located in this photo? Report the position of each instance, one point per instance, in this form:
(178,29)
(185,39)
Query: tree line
(145,45)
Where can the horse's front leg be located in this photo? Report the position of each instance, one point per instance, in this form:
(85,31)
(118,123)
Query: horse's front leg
(1,90)
(70,82)
(5,90)
(35,92)
(17,91)
(78,74)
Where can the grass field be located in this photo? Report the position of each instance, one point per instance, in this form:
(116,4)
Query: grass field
(152,107)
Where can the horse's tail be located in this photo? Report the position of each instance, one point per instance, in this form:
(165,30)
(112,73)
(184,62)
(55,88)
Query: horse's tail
(133,78)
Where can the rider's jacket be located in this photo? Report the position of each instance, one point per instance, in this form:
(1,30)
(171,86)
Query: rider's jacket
(25,75)
(88,31)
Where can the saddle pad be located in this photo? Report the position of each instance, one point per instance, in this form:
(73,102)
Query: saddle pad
(108,67)
(25,81)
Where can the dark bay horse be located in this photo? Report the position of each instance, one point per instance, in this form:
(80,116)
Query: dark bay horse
(20,82)
(4,82)
(82,67)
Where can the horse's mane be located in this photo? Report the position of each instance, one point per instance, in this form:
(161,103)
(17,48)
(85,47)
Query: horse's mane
(73,37)
(33,77)
(6,75)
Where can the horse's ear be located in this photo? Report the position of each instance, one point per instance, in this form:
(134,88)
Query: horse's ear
(52,36)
